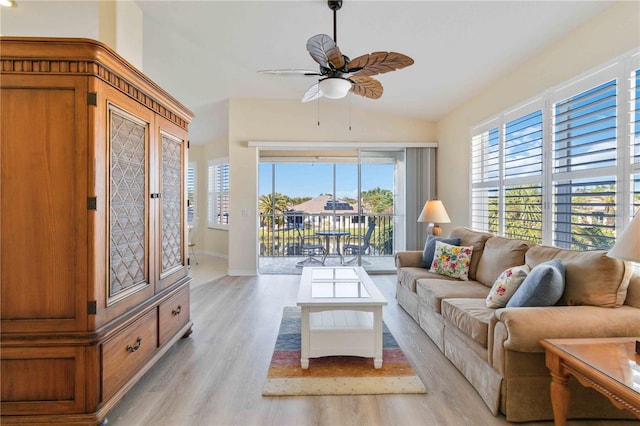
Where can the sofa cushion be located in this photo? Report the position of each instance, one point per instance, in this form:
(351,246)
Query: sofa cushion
(500,254)
(591,278)
(506,285)
(474,239)
(408,258)
(432,291)
(471,316)
(408,276)
(633,292)
(430,248)
(543,286)
(452,261)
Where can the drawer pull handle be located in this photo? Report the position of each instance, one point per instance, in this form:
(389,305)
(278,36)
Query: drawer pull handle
(136,346)
(177,310)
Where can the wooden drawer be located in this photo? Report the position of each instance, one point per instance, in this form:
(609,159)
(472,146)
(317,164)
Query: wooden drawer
(126,353)
(173,314)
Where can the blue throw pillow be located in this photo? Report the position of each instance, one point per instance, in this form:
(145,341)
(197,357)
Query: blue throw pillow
(430,248)
(543,286)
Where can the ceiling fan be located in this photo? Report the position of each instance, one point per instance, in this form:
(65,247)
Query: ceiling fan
(338,74)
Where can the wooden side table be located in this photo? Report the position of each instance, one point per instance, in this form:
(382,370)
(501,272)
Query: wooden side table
(608,365)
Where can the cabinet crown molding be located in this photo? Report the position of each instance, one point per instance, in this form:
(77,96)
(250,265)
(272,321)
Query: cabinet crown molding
(83,56)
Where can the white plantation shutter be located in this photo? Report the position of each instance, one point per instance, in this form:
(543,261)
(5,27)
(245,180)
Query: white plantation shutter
(635,142)
(523,147)
(191,191)
(218,193)
(584,174)
(523,177)
(485,172)
(223,194)
(484,208)
(211,195)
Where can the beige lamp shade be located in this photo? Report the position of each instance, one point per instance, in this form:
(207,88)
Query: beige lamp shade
(627,246)
(434,212)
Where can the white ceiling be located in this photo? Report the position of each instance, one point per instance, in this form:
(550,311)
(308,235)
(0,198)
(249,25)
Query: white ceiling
(204,52)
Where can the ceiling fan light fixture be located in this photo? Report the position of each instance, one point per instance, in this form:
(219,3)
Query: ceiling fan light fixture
(335,87)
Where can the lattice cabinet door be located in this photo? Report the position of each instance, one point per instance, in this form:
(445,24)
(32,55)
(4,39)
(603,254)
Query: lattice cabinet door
(172,153)
(128,205)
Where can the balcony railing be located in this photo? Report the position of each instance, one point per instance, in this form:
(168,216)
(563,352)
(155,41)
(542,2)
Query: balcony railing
(281,234)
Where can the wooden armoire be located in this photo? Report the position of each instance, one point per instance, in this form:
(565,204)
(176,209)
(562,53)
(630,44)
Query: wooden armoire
(94,270)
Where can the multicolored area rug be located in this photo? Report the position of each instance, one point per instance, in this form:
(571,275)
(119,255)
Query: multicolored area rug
(336,375)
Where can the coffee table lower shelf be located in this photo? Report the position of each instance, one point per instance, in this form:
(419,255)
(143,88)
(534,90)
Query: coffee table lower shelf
(347,332)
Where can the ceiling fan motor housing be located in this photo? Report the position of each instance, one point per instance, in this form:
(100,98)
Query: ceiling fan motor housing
(334,4)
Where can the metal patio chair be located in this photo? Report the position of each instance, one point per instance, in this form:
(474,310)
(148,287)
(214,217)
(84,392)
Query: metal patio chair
(359,244)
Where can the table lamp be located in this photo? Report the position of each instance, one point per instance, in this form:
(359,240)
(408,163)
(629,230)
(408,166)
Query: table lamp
(627,247)
(434,212)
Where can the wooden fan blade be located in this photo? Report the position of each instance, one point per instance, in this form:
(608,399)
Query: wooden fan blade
(291,72)
(324,51)
(366,86)
(336,58)
(312,93)
(378,63)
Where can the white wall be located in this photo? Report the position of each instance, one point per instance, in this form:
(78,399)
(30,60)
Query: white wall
(51,19)
(280,120)
(608,35)
(121,29)
(117,24)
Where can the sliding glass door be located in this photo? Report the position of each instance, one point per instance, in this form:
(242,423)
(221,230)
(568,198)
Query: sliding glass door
(344,209)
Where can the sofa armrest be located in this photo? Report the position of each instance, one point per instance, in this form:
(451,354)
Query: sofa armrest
(521,329)
(408,258)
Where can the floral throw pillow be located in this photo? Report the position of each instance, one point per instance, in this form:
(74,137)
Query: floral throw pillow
(506,285)
(452,261)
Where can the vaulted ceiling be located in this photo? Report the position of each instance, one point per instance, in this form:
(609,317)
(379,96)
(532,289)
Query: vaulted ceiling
(204,52)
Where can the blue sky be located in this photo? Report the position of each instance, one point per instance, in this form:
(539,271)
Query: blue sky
(311,180)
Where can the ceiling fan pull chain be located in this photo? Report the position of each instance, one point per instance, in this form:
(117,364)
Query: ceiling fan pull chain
(318,111)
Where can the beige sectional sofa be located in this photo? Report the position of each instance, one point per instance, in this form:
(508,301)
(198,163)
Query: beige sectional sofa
(498,350)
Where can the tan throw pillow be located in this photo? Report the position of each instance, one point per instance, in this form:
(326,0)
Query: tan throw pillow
(591,277)
(506,285)
(452,261)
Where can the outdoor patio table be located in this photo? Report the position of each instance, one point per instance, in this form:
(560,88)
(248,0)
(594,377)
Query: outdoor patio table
(327,237)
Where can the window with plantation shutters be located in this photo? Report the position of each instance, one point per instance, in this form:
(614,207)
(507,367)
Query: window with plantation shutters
(191,192)
(506,178)
(564,168)
(584,161)
(218,191)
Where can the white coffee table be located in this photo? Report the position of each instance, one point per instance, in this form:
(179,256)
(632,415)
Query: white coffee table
(341,314)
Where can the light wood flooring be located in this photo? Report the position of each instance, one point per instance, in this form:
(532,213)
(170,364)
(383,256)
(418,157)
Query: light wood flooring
(215,376)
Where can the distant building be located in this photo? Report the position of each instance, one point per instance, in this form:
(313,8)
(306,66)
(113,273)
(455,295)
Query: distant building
(319,211)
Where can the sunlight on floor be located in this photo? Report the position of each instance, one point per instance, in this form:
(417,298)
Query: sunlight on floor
(207,269)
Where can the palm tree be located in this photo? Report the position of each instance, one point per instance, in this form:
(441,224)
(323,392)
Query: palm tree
(523,213)
(378,200)
(271,205)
